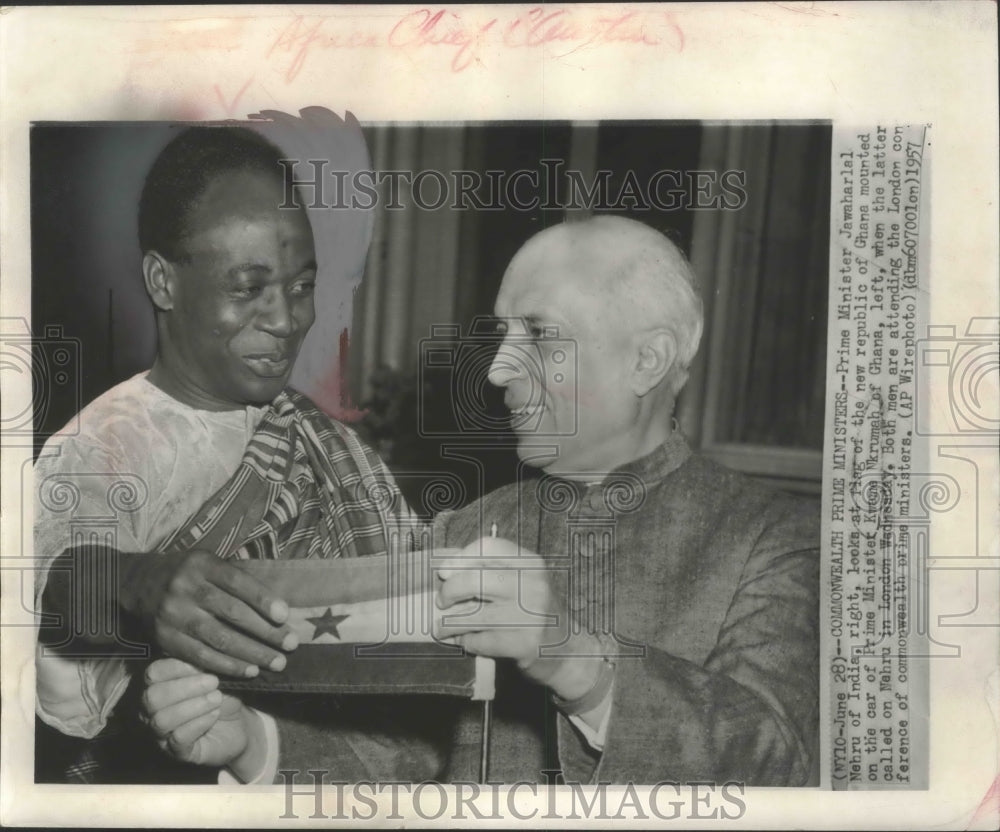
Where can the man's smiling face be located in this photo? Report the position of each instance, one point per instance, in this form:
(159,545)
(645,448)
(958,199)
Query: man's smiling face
(579,402)
(242,293)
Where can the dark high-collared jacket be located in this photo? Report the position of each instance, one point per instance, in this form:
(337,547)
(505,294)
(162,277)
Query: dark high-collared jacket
(705,584)
(708,583)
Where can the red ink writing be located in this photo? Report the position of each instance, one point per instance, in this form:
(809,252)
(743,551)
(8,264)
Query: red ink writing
(464,36)
(231,106)
(301,37)
(424,28)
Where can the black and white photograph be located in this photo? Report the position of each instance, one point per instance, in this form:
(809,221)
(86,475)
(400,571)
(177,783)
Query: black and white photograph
(527,319)
(438,455)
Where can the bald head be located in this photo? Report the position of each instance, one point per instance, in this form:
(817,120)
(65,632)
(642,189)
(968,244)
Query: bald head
(639,279)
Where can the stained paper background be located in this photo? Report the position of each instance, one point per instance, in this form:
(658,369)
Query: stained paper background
(856,64)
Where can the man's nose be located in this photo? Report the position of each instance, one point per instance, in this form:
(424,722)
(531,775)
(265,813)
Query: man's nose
(276,317)
(508,365)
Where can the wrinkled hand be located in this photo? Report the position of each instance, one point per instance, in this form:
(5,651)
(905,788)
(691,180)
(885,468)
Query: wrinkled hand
(510,604)
(208,612)
(193,720)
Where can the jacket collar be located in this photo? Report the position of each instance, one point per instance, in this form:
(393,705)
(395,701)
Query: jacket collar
(649,469)
(660,462)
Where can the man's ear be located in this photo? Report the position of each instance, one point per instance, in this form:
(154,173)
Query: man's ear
(159,278)
(655,352)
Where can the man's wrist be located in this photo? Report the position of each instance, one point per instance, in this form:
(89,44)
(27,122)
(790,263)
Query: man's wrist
(134,580)
(578,672)
(576,676)
(249,764)
(592,697)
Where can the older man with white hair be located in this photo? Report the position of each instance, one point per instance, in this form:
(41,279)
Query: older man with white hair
(681,599)
(655,615)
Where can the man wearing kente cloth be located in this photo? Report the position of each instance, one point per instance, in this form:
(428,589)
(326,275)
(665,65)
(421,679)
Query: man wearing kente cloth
(655,615)
(217,461)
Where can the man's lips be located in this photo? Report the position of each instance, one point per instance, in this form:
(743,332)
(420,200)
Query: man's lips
(523,413)
(269,364)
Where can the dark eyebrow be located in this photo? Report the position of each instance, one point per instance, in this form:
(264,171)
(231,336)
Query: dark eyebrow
(259,268)
(236,271)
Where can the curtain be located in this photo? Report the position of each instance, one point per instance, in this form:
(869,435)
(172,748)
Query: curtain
(758,387)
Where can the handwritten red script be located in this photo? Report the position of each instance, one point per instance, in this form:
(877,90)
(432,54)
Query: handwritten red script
(463,37)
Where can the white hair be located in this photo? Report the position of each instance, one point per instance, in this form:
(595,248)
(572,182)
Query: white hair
(648,280)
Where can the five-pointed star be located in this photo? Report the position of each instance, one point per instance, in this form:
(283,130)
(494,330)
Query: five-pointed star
(327,623)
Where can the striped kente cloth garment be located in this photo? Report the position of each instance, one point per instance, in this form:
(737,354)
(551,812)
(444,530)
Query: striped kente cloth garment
(307,487)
